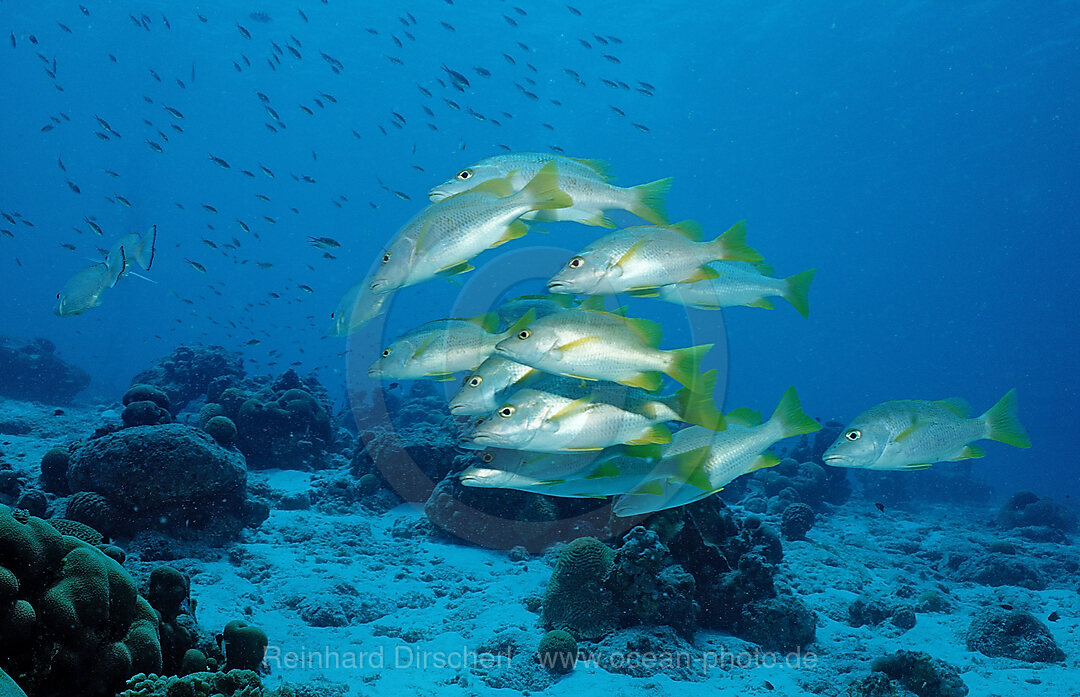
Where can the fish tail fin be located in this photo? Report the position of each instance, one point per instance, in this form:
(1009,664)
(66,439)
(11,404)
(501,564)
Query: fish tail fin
(731,245)
(791,418)
(117,265)
(694,403)
(797,291)
(686,364)
(649,201)
(1003,421)
(143,252)
(543,192)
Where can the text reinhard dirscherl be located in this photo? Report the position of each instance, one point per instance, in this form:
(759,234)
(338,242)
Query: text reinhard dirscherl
(408,657)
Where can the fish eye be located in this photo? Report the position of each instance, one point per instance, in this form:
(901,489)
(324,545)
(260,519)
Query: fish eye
(487,457)
(576,263)
(464,174)
(506,412)
(524,334)
(853,435)
(474,381)
(385,353)
(386,258)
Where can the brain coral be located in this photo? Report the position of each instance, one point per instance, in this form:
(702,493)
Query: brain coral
(575,600)
(69,615)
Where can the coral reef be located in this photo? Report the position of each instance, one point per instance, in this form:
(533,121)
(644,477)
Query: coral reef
(997,569)
(93,509)
(31,371)
(1025,509)
(575,600)
(145,405)
(187,373)
(54,468)
(1012,634)
(286,424)
(171,476)
(796,521)
(222,429)
(232,683)
(922,674)
(646,587)
(245,645)
(557,651)
(70,614)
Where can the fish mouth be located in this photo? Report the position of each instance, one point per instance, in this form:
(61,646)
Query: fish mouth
(835,460)
(437,195)
(555,286)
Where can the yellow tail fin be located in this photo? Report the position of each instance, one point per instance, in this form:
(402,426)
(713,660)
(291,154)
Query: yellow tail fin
(686,364)
(797,291)
(1004,422)
(695,405)
(649,203)
(790,416)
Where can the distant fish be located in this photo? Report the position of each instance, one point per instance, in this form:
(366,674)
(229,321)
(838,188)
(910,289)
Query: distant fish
(324,242)
(243,31)
(911,434)
(196,265)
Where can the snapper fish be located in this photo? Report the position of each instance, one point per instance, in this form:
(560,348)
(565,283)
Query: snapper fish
(138,249)
(592,344)
(357,307)
(646,257)
(481,389)
(438,349)
(540,421)
(83,291)
(911,434)
(589,183)
(740,283)
(441,239)
(569,475)
(699,462)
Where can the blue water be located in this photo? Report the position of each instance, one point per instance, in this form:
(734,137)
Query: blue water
(923,156)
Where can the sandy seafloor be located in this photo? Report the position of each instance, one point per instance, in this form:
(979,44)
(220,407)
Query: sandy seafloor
(414,594)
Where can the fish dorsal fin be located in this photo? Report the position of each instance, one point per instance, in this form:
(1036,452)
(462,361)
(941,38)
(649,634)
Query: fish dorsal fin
(702,273)
(561,299)
(649,451)
(690,228)
(523,321)
(575,407)
(743,416)
(423,346)
(500,186)
(763,268)
(657,433)
(956,405)
(489,321)
(633,250)
(909,431)
(593,302)
(650,332)
(601,167)
(619,311)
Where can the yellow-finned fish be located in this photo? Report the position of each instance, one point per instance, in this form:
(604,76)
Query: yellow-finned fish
(570,475)
(541,421)
(698,462)
(438,349)
(911,434)
(441,239)
(739,283)
(647,257)
(481,388)
(595,345)
(588,182)
(357,307)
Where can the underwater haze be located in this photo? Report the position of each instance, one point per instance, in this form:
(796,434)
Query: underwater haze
(921,156)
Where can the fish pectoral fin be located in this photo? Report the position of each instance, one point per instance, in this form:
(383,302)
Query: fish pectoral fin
(454,269)
(703,273)
(691,467)
(422,347)
(763,303)
(578,406)
(633,251)
(515,230)
(969,452)
(909,431)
